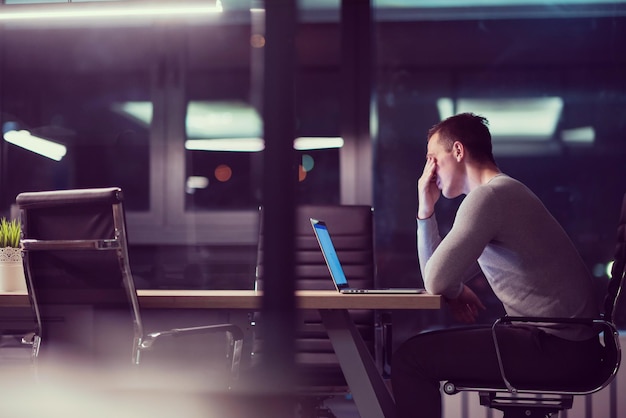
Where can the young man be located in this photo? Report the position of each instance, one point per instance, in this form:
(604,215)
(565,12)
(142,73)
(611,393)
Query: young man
(503,229)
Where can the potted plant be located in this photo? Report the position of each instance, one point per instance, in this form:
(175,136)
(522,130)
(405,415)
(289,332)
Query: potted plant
(11,267)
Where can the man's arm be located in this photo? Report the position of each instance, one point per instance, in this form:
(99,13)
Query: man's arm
(428,239)
(476,224)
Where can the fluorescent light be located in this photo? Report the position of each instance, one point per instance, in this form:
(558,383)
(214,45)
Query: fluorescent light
(136,111)
(222,119)
(258,144)
(226,144)
(309,143)
(222,126)
(487,3)
(197,182)
(510,118)
(526,148)
(584,135)
(35,144)
(103,10)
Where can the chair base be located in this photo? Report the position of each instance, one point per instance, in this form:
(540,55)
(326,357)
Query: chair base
(518,406)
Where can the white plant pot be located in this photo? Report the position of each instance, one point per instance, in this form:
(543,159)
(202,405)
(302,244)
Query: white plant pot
(12,277)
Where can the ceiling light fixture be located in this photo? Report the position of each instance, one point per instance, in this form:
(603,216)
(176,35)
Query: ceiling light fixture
(36,144)
(226,144)
(311,143)
(523,118)
(585,135)
(102,10)
(258,144)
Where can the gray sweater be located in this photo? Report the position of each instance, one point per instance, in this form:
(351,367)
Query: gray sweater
(526,256)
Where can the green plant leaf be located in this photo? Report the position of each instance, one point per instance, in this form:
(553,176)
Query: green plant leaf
(10,233)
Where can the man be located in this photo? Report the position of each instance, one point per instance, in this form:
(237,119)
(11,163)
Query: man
(503,229)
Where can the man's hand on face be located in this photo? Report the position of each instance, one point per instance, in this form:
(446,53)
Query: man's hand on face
(466,306)
(427,191)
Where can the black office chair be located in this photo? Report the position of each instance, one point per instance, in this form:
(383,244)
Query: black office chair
(318,368)
(81,287)
(522,400)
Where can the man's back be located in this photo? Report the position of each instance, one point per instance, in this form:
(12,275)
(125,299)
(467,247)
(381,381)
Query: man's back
(530,262)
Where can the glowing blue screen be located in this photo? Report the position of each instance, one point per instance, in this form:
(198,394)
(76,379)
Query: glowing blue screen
(331,255)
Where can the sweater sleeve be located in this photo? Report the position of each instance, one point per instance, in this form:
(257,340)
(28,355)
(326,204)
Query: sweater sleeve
(428,239)
(449,262)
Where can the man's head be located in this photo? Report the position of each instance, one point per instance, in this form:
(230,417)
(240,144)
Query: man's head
(471,130)
(453,144)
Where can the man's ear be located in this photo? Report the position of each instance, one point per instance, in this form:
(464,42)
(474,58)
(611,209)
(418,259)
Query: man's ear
(458,151)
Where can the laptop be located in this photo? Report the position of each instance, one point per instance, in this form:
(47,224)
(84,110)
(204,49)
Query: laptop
(336,270)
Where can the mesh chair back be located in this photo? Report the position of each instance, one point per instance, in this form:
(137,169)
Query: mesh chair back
(76,264)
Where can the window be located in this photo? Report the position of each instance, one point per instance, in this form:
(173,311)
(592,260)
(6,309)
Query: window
(56,87)
(562,72)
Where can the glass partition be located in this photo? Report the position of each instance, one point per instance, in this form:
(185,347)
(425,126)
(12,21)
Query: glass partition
(67,111)
(170,111)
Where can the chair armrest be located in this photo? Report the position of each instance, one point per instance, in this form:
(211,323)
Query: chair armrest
(233,332)
(236,332)
(582,321)
(73,244)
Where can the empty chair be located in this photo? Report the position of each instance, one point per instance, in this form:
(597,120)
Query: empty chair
(81,287)
(524,399)
(351,226)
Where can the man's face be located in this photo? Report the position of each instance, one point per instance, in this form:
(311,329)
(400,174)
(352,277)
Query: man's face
(448,169)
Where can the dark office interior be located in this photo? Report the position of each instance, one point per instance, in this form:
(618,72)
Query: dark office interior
(173,112)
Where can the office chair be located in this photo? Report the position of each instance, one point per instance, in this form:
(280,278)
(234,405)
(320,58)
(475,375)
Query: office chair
(80,283)
(521,400)
(318,370)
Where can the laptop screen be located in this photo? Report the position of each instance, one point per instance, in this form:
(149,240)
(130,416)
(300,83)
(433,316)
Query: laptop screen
(330,255)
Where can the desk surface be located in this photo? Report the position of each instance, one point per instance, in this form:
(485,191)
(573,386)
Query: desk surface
(250,299)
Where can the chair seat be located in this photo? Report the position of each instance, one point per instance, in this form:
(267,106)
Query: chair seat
(584,384)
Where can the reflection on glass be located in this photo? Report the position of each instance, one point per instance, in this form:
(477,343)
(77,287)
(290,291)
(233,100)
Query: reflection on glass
(555,108)
(65,89)
(101,10)
(41,146)
(521,118)
(222,119)
(223,145)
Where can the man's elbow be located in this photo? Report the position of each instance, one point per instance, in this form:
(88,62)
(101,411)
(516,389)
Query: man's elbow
(433,287)
(440,287)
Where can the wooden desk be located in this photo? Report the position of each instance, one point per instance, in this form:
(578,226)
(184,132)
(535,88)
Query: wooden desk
(251,300)
(305,299)
(370,393)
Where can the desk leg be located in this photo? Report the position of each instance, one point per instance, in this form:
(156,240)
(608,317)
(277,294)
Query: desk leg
(371,395)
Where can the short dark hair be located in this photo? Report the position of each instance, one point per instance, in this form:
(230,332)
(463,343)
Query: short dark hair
(469,129)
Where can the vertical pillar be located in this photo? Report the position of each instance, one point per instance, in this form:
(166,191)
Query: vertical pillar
(356,75)
(279,179)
